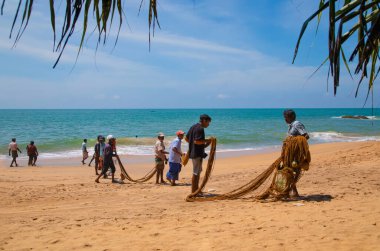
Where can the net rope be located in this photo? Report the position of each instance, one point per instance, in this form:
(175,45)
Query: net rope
(124,175)
(284,172)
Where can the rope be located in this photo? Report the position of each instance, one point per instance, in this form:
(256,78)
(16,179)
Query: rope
(124,175)
(295,157)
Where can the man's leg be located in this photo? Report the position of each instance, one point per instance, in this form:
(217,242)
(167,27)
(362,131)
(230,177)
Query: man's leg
(162,174)
(34,160)
(194,183)
(113,170)
(30,160)
(13,160)
(293,190)
(157,172)
(197,169)
(92,159)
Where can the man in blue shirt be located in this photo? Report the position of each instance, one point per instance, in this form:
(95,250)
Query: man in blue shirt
(175,154)
(197,144)
(296,128)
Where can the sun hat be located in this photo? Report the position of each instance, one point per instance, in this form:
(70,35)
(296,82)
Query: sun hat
(160,134)
(179,132)
(110,137)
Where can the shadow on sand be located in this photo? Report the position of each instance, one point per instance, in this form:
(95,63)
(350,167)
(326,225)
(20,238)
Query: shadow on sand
(316,197)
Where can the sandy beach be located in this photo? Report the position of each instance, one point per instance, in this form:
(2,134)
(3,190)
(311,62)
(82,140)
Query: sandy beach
(62,208)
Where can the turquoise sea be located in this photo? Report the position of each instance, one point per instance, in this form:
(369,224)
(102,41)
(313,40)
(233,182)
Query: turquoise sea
(59,133)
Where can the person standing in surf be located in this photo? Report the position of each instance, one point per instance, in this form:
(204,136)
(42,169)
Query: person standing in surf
(84,151)
(13,148)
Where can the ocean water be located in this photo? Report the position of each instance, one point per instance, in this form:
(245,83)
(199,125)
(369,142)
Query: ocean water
(59,133)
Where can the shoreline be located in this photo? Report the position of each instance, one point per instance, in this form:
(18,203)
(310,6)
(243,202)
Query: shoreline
(145,159)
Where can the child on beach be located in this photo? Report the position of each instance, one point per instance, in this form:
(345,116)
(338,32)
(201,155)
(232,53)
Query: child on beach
(31,149)
(160,157)
(107,161)
(175,154)
(84,151)
(13,148)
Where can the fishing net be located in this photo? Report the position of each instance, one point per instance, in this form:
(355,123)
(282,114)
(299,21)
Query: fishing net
(283,173)
(124,175)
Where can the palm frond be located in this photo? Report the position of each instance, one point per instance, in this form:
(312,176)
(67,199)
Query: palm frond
(103,13)
(367,41)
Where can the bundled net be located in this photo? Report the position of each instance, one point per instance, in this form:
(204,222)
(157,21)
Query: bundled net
(124,175)
(283,172)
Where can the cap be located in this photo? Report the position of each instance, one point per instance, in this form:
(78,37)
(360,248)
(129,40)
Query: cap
(110,137)
(179,132)
(160,134)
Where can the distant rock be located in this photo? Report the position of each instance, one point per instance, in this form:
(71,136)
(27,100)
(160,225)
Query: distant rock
(354,117)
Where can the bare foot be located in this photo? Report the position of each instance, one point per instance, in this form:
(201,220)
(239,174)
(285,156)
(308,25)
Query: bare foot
(97,181)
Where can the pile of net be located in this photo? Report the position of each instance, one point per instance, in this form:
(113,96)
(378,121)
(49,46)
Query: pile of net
(124,175)
(275,182)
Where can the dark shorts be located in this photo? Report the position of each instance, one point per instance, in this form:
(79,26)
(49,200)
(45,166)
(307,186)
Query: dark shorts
(108,165)
(14,154)
(160,164)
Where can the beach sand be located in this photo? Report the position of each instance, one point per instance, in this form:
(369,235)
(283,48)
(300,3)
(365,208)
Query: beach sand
(62,208)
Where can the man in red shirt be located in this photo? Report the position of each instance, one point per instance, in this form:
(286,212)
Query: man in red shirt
(31,149)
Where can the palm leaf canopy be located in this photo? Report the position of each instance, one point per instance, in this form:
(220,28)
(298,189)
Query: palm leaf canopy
(367,32)
(103,11)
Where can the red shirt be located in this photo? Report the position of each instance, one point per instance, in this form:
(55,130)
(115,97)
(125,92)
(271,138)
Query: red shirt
(31,149)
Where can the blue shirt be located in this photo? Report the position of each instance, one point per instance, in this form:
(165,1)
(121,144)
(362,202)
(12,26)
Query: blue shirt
(173,156)
(296,128)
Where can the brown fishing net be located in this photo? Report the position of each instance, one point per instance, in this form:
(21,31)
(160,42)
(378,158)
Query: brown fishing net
(284,173)
(124,175)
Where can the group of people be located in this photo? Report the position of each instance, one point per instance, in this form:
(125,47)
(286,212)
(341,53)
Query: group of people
(105,149)
(31,150)
(197,141)
(103,153)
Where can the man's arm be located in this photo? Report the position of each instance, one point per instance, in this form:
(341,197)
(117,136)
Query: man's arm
(205,142)
(177,151)
(306,135)
(19,150)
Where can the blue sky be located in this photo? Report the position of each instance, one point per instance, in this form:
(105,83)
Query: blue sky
(207,54)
